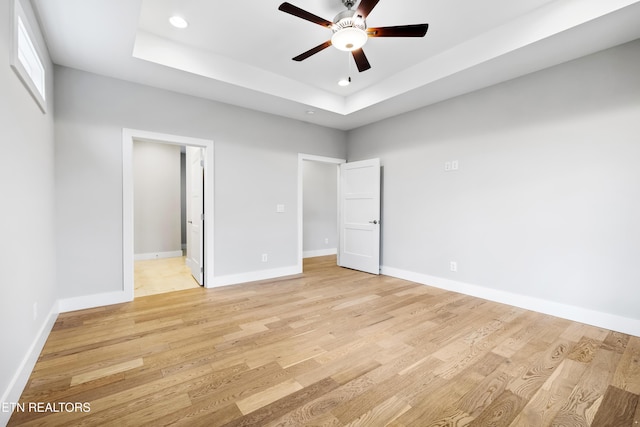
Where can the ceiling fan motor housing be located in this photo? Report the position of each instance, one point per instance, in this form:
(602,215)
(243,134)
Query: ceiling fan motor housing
(348,18)
(349,31)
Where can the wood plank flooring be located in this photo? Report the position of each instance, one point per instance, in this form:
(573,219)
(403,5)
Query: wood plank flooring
(157,276)
(330,347)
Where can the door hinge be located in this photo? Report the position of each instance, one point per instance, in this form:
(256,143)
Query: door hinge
(201,269)
(201,163)
(201,217)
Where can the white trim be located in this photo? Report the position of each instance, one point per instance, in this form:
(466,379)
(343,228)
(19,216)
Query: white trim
(301,159)
(320,252)
(157,255)
(128,135)
(94,300)
(21,377)
(253,276)
(577,314)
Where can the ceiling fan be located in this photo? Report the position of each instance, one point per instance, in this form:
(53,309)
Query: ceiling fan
(350,30)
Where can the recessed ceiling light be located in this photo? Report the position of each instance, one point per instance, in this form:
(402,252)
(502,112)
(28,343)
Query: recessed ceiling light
(345,82)
(178,22)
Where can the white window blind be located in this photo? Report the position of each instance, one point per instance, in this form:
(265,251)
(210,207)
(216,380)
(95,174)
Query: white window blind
(26,60)
(28,57)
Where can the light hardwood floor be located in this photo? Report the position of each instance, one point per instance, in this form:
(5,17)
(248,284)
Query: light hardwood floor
(157,276)
(332,347)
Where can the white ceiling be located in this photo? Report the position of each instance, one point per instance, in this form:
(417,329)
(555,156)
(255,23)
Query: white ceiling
(240,52)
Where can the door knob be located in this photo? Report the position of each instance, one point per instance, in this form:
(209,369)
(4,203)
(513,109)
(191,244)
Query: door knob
(375,221)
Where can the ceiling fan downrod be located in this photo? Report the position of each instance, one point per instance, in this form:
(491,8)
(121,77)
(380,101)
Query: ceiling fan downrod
(349,3)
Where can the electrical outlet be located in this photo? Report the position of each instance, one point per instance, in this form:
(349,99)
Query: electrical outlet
(451,166)
(279,208)
(264,258)
(453,266)
(326,240)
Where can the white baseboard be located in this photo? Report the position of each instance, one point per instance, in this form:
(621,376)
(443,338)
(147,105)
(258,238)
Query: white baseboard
(319,252)
(21,377)
(157,255)
(578,314)
(91,301)
(253,276)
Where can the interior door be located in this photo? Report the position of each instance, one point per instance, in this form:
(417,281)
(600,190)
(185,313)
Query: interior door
(195,212)
(360,216)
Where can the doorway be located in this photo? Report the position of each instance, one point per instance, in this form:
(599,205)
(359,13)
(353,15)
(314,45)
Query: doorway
(206,147)
(358,213)
(317,234)
(162,230)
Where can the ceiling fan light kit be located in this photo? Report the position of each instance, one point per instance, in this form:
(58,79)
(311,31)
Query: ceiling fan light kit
(349,39)
(350,32)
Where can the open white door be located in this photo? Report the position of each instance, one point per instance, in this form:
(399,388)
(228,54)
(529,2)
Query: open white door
(360,216)
(195,211)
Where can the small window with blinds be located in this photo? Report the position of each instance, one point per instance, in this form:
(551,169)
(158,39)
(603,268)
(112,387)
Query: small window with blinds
(26,60)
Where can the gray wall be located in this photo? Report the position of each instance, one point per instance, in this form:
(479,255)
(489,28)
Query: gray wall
(27,233)
(157,205)
(255,169)
(546,201)
(320,206)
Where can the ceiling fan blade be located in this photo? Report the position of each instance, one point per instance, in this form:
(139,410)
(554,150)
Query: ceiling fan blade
(313,51)
(361,60)
(366,6)
(418,30)
(300,13)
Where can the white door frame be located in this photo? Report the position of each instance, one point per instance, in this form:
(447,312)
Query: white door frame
(301,159)
(128,135)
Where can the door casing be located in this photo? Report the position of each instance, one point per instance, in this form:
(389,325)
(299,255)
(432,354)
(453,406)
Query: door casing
(338,162)
(301,159)
(128,135)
